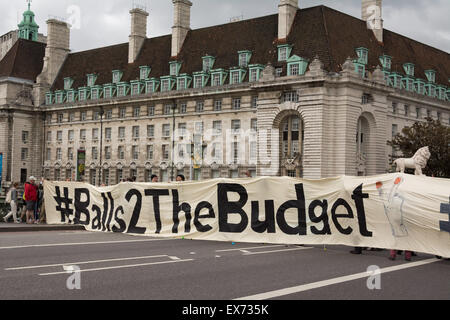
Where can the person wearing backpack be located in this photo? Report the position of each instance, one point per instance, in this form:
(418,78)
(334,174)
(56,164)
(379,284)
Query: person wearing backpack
(12,198)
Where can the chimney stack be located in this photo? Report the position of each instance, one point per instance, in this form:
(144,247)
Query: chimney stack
(287,9)
(372,13)
(138,33)
(56,51)
(181,25)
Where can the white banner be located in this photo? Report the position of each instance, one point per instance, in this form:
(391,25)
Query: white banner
(393,211)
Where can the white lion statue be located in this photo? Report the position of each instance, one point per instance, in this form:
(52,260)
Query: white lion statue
(417,162)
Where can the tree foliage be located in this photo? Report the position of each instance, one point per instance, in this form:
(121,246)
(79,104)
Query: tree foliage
(433,134)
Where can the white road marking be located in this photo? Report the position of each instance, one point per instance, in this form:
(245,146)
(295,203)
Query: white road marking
(247,253)
(118,267)
(87,262)
(260,247)
(78,244)
(324,283)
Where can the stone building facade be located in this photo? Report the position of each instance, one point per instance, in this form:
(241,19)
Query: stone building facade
(307,93)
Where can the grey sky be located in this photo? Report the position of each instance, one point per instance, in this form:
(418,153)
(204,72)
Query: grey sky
(107,22)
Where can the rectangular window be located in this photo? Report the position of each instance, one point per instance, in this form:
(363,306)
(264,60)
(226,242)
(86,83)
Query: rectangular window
(151,111)
(198,81)
(71,117)
(406,110)
(24,154)
(183,108)
(150,131)
(254,125)
(109,114)
(121,132)
(243,61)
(108,153)
(94,94)
(150,152)
(108,133)
(49,136)
(198,129)
(83,134)
(235,150)
(94,153)
(254,102)
(59,135)
(215,80)
(122,113)
(199,106)
(60,117)
(217,128)
(107,93)
(294,69)
(282,54)
(253,75)
(135,89)
(181,84)
(236,103)
(83,116)
(166,130)
(165,85)
(218,105)
(235,125)
(70,135)
(137,112)
(165,151)
(394,130)
(168,109)
(95,134)
(136,130)
(235,77)
(394,107)
(70,153)
(121,153)
(417,113)
(58,154)
(48,154)
(25,135)
(135,152)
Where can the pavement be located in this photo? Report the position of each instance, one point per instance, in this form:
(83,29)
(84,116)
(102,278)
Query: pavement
(23,227)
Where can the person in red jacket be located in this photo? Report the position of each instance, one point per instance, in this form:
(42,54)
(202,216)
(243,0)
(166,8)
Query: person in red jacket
(31,197)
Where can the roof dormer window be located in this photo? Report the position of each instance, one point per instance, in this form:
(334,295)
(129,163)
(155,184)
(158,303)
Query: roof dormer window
(284,52)
(409,69)
(431,75)
(175,67)
(144,72)
(363,55)
(91,78)
(208,63)
(117,76)
(386,62)
(68,83)
(244,58)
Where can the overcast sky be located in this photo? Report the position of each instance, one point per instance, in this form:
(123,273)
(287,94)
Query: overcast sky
(107,22)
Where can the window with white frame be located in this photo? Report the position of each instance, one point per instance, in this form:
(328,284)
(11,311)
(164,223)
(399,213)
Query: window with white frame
(235,126)
(135,131)
(59,136)
(83,134)
(150,131)
(95,134)
(166,130)
(183,107)
(199,107)
(122,113)
(137,112)
(217,127)
(165,152)
(121,132)
(70,135)
(58,154)
(236,103)
(108,133)
(121,153)
(165,85)
(216,80)
(150,152)
(108,153)
(235,77)
(217,105)
(198,81)
(135,152)
(151,111)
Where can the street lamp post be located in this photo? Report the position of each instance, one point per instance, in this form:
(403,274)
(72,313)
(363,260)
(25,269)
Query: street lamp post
(101,146)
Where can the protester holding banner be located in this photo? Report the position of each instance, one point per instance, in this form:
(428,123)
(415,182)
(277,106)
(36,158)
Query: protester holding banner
(31,198)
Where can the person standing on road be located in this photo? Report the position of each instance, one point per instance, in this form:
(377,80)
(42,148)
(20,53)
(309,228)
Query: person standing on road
(14,198)
(31,198)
